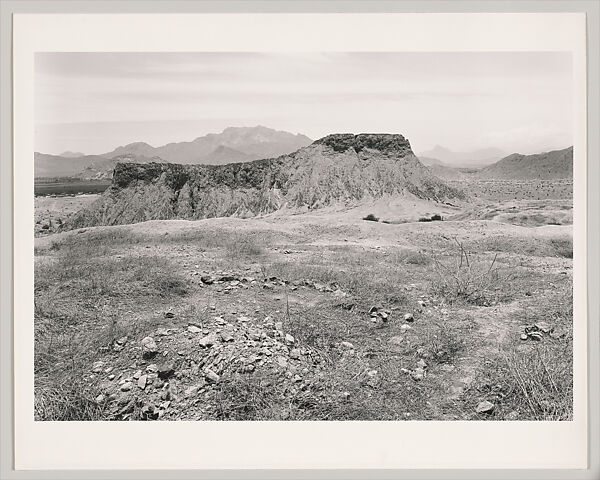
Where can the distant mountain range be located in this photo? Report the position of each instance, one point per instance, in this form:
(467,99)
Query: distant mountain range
(477,158)
(233,145)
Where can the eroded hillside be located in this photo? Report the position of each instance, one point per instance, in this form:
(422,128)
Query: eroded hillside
(337,170)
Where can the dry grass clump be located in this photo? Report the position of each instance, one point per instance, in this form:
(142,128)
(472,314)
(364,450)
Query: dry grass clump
(533,380)
(538,247)
(465,280)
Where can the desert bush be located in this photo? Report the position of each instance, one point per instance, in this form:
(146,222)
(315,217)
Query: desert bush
(371,218)
(433,218)
(468,281)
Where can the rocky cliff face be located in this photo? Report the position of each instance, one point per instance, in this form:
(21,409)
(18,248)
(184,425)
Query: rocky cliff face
(337,170)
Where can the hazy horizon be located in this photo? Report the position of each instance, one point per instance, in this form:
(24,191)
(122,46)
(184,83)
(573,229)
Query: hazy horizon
(95,102)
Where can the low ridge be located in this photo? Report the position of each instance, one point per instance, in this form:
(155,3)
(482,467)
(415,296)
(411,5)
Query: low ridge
(554,165)
(337,170)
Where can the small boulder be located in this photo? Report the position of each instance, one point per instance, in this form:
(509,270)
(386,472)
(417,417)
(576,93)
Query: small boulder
(346,346)
(289,339)
(227,336)
(211,376)
(397,340)
(166,370)
(408,317)
(126,386)
(208,341)
(142,381)
(149,347)
(485,407)
(97,367)
(295,353)
(194,329)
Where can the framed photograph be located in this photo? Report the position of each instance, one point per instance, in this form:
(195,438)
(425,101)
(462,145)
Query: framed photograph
(307,240)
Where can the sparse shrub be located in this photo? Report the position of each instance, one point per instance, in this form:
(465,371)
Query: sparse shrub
(371,218)
(477,283)
(433,218)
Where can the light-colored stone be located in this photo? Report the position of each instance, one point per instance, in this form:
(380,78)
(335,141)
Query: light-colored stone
(142,381)
(149,347)
(97,367)
(211,376)
(208,341)
(485,407)
(126,386)
(194,329)
(408,317)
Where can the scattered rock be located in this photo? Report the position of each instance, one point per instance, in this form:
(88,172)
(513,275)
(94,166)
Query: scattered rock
(397,340)
(289,339)
(485,407)
(152,368)
(524,336)
(149,347)
(227,336)
(543,327)
(208,341)
(408,317)
(126,386)
(295,354)
(191,391)
(211,376)
(207,279)
(142,381)
(346,346)
(345,396)
(97,367)
(194,329)
(282,361)
(100,398)
(405,327)
(166,370)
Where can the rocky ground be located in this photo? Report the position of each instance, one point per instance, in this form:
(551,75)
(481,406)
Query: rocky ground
(320,317)
(51,211)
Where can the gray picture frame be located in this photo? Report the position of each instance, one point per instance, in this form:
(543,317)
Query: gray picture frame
(8,8)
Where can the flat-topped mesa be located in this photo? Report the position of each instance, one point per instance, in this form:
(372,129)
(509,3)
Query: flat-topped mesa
(338,171)
(390,144)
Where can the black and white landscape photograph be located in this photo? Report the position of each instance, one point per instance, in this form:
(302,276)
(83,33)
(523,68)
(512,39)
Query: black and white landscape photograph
(303,236)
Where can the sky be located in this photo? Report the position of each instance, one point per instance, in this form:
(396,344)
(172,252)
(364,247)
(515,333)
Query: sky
(515,101)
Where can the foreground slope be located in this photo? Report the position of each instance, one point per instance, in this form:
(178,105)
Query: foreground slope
(337,170)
